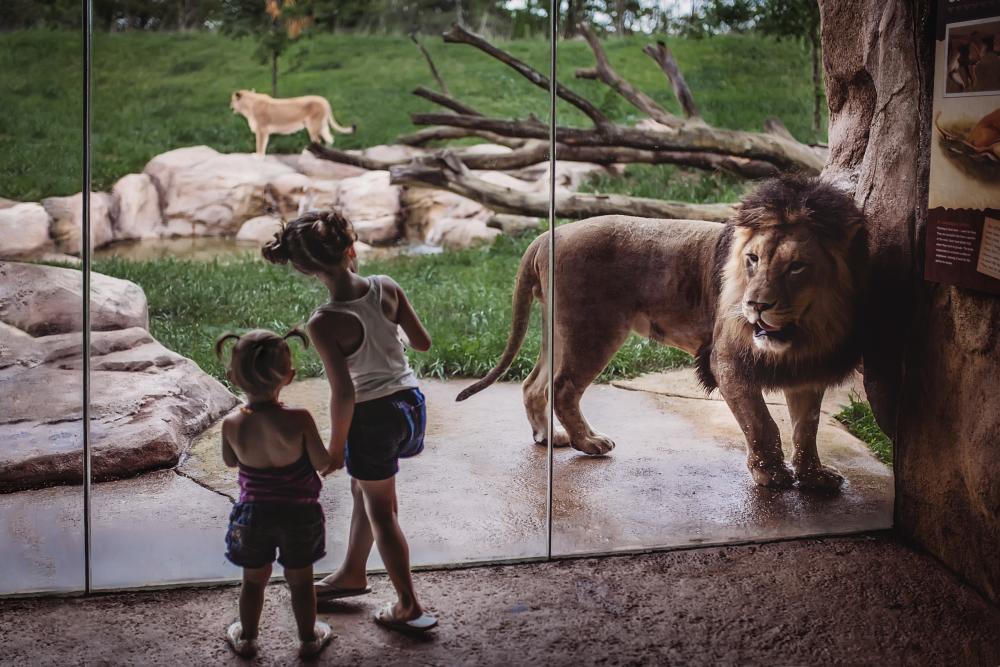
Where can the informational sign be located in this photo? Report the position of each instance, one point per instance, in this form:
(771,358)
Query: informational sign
(963,225)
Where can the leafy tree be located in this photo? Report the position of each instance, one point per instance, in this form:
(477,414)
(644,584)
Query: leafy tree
(275,24)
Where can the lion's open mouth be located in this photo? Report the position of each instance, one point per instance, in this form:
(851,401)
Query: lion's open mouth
(763,331)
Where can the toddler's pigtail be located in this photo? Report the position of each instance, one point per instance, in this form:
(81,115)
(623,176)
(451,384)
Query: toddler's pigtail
(221,341)
(298,333)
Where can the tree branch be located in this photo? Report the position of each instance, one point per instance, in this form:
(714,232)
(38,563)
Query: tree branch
(429,134)
(605,73)
(459,35)
(430,62)
(446,101)
(665,59)
(782,153)
(448,173)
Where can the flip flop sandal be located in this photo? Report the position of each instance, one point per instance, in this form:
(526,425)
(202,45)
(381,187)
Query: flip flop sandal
(421,623)
(328,592)
(244,648)
(323,636)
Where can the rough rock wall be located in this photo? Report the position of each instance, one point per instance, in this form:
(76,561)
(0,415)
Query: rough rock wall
(932,361)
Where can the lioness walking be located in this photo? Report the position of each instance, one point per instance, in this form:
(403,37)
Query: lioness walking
(267,115)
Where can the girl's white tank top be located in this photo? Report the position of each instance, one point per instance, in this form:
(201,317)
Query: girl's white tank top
(378,367)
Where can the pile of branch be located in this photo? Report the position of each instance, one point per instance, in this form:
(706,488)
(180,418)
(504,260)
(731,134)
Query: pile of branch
(664,139)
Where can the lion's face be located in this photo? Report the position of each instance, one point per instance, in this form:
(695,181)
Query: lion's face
(785,274)
(788,291)
(238,101)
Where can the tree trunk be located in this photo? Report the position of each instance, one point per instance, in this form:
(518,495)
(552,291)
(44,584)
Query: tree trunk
(274,73)
(569,28)
(817,83)
(932,358)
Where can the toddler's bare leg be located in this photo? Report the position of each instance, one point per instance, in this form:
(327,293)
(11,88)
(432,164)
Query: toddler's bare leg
(300,583)
(252,598)
(380,504)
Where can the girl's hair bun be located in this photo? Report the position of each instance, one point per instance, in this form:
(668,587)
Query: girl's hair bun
(275,251)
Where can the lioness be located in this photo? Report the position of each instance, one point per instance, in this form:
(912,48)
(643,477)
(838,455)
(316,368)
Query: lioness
(770,300)
(267,115)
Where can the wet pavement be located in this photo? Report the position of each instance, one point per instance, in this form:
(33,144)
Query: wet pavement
(477,492)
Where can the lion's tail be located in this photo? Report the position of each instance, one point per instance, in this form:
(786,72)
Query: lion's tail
(527,280)
(343,130)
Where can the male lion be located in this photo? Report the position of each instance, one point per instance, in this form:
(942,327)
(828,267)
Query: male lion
(770,300)
(267,115)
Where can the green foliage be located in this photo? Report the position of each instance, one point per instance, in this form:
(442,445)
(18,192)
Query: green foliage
(860,421)
(669,182)
(154,92)
(464,299)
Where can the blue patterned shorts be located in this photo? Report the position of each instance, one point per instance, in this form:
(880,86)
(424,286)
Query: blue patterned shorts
(383,431)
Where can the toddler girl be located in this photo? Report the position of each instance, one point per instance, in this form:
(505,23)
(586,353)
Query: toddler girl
(278,451)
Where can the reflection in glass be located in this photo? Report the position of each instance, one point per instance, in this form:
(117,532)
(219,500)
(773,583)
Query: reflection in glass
(41,299)
(187,205)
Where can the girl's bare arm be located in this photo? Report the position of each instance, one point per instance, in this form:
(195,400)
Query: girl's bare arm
(228,455)
(408,319)
(341,387)
(318,455)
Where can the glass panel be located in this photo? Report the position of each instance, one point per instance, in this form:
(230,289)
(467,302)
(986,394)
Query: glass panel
(655,461)
(188,207)
(41,299)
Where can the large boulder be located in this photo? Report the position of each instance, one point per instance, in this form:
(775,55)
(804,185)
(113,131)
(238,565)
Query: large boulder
(206,193)
(139,215)
(44,300)
(67,220)
(458,233)
(146,401)
(373,205)
(314,167)
(260,229)
(424,207)
(24,231)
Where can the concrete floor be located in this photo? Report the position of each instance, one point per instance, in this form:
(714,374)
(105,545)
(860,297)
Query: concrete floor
(851,600)
(477,493)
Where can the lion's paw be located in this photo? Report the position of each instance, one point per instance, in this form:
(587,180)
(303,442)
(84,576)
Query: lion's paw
(559,439)
(821,478)
(776,475)
(595,445)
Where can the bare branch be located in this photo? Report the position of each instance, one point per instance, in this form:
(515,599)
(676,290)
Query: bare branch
(434,71)
(446,101)
(460,35)
(665,59)
(605,73)
(444,173)
(784,154)
(429,134)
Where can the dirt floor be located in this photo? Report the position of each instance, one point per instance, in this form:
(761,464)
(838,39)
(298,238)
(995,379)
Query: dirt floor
(849,600)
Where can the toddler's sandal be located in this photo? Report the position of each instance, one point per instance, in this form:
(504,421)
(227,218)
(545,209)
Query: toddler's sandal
(312,648)
(245,648)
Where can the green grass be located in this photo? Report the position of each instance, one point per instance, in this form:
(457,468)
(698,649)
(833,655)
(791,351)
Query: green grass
(860,421)
(464,298)
(667,181)
(154,92)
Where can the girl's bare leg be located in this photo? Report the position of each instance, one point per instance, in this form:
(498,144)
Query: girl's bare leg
(381,507)
(252,599)
(300,583)
(353,571)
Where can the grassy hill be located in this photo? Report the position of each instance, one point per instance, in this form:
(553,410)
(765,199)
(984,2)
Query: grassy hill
(158,91)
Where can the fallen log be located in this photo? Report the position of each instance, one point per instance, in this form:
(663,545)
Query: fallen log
(448,173)
(536,152)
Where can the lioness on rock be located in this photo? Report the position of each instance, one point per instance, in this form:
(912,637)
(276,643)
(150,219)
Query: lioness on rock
(267,115)
(770,300)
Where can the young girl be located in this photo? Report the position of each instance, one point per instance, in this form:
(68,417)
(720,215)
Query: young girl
(376,408)
(278,451)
